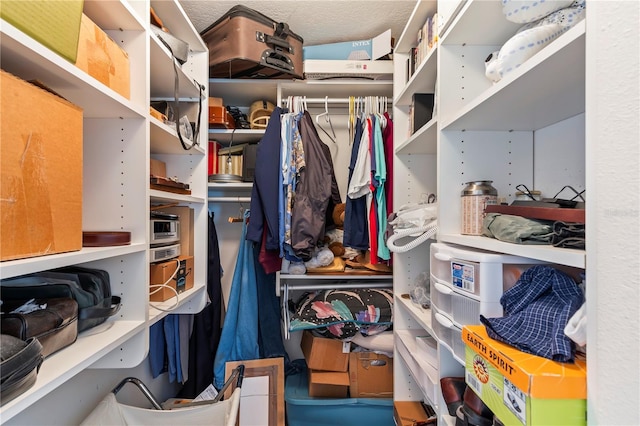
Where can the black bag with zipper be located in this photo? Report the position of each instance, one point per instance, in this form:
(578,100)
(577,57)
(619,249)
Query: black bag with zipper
(20,363)
(91,288)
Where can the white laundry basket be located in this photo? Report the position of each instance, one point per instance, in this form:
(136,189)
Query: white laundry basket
(109,412)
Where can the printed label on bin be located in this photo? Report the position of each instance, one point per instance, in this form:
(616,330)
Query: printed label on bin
(462,276)
(515,400)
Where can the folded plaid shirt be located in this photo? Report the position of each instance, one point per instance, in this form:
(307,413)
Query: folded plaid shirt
(536,310)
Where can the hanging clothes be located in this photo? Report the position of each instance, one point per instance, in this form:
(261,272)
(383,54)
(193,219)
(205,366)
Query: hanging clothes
(371,199)
(168,344)
(315,187)
(264,194)
(380,177)
(356,233)
(291,163)
(239,339)
(207,324)
(387,135)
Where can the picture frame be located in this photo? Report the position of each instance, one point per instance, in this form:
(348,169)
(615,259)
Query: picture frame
(262,390)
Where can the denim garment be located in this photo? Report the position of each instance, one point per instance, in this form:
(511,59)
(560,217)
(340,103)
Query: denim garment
(269,318)
(239,339)
(166,348)
(536,310)
(157,351)
(172,336)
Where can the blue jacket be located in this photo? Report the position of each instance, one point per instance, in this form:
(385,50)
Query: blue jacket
(264,195)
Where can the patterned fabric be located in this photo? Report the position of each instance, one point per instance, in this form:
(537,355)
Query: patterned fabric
(343,313)
(536,310)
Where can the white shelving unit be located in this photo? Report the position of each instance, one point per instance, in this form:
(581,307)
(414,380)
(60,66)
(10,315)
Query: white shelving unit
(504,132)
(119,139)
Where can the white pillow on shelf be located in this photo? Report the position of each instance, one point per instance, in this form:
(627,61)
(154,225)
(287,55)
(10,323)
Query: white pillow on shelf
(525,11)
(531,38)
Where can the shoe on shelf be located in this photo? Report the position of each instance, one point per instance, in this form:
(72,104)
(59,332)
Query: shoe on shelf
(476,413)
(452,392)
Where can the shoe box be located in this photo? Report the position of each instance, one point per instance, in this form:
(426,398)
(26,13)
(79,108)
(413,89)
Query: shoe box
(521,388)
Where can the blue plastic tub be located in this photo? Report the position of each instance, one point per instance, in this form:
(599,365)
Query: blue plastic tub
(304,410)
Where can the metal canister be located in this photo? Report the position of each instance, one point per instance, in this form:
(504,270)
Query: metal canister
(476,196)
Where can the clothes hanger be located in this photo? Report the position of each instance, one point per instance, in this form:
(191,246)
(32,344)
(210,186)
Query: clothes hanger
(239,218)
(379,112)
(327,119)
(352,119)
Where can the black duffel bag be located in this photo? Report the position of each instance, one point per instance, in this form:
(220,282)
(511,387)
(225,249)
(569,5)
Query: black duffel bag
(54,322)
(90,287)
(20,363)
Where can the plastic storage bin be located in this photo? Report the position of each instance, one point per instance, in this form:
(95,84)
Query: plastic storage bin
(479,274)
(460,309)
(303,410)
(466,283)
(448,334)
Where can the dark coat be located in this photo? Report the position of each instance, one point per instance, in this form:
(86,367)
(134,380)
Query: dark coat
(316,187)
(264,195)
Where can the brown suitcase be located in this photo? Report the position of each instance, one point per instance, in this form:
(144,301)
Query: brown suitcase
(245,43)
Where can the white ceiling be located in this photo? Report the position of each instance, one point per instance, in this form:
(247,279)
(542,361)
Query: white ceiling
(316,21)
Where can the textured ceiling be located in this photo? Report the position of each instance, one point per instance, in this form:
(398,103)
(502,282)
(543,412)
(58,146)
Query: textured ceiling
(316,21)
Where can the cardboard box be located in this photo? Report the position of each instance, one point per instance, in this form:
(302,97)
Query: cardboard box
(328,384)
(521,388)
(160,273)
(370,375)
(407,413)
(186,217)
(102,58)
(326,354)
(157,168)
(364,50)
(55,24)
(316,69)
(40,171)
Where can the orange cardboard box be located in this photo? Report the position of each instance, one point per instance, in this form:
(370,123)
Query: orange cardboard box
(521,388)
(40,171)
(328,384)
(325,354)
(160,273)
(102,58)
(370,375)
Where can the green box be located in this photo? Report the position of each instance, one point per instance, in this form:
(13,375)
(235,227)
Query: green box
(54,23)
(524,389)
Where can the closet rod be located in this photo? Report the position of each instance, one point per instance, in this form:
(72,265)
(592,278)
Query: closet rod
(332,286)
(230,199)
(331,100)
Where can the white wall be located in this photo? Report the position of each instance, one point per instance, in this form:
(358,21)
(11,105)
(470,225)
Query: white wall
(613,237)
